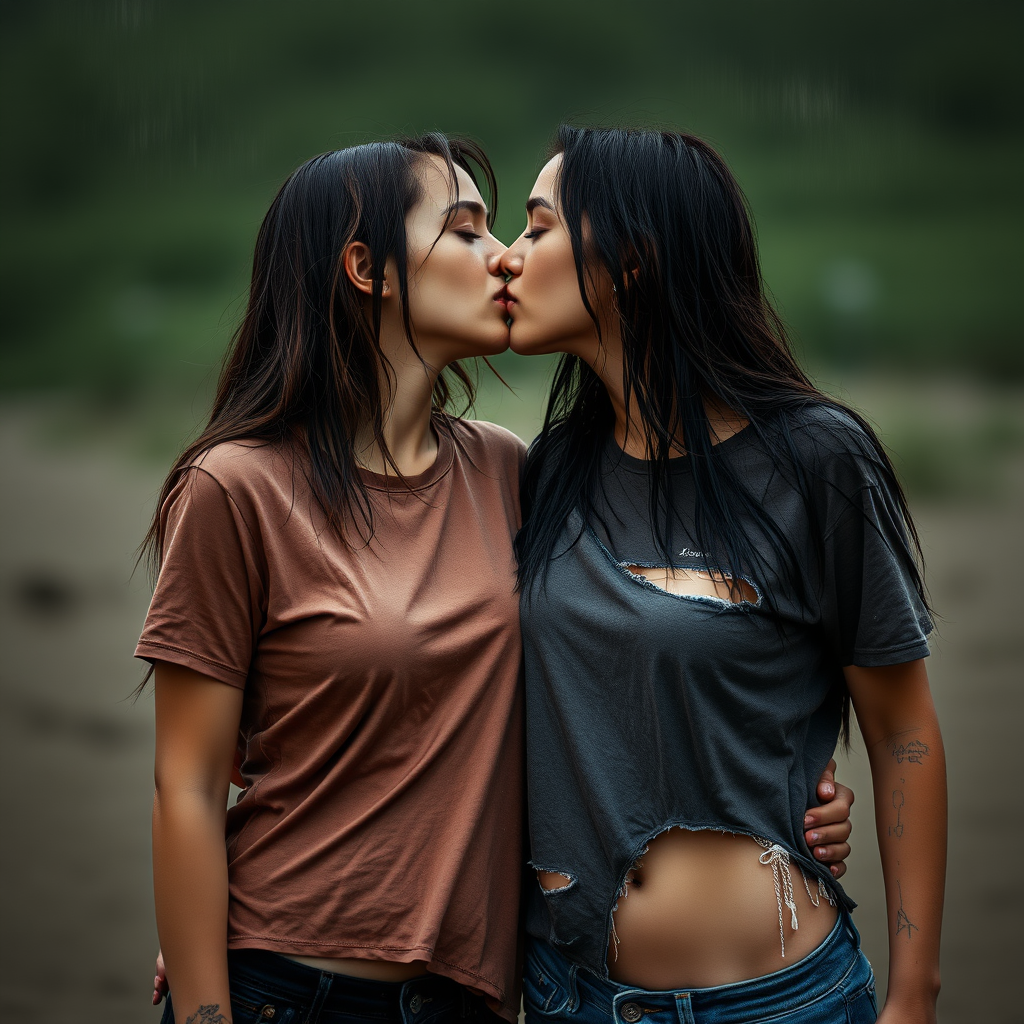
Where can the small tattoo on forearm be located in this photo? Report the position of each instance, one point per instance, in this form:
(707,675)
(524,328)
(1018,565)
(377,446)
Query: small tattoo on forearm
(208,1014)
(903,923)
(913,752)
(897,802)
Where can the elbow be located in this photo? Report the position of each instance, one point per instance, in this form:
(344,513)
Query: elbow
(197,790)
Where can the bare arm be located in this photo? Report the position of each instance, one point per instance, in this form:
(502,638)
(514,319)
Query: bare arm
(196,730)
(897,719)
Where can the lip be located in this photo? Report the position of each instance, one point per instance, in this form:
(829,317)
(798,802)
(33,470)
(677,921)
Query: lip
(502,297)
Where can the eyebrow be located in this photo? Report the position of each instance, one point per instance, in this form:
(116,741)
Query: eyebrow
(477,209)
(535,201)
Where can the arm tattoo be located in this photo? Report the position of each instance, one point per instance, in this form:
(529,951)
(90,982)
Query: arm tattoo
(913,752)
(903,923)
(208,1014)
(897,802)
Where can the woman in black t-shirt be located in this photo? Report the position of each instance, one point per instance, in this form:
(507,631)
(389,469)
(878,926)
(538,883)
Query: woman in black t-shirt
(716,559)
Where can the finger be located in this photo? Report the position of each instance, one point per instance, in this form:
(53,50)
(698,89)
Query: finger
(828,834)
(827,783)
(833,853)
(837,810)
(838,870)
(844,795)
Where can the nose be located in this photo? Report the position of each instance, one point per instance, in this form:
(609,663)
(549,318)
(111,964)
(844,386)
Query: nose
(494,267)
(512,262)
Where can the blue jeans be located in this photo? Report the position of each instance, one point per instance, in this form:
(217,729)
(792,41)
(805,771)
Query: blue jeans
(270,989)
(832,985)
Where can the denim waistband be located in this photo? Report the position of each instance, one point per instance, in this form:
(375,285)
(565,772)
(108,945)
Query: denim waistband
(431,997)
(836,963)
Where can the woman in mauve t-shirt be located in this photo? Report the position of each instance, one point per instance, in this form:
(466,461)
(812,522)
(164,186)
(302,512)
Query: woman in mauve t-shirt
(716,559)
(336,601)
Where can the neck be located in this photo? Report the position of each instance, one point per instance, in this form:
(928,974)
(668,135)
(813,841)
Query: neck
(630,433)
(407,413)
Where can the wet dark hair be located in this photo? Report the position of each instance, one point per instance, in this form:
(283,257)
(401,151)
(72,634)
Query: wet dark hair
(306,364)
(661,214)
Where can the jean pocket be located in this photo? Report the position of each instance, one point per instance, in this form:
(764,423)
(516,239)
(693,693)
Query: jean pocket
(542,994)
(861,1006)
(251,1005)
(830,1008)
(243,1011)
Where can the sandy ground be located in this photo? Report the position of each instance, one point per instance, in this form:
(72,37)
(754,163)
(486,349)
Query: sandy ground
(78,934)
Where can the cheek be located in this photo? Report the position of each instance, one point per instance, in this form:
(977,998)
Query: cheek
(553,308)
(452,304)
(451,276)
(451,283)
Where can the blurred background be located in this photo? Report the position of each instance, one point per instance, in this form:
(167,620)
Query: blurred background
(881,147)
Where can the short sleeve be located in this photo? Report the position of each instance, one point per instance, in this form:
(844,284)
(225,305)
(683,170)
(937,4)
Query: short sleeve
(206,609)
(872,610)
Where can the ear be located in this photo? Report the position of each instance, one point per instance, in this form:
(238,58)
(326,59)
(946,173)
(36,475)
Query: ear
(358,263)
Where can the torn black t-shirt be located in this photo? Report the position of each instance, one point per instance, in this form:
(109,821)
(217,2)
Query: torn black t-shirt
(647,709)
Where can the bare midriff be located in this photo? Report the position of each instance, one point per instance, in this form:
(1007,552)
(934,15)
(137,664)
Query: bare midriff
(373,970)
(700,910)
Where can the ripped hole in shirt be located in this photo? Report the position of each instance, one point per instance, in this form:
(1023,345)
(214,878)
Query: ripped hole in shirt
(554,881)
(696,583)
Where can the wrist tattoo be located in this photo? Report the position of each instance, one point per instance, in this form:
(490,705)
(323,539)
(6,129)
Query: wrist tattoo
(209,1013)
(903,923)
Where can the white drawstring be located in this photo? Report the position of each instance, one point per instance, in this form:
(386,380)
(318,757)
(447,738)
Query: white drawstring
(822,892)
(782,874)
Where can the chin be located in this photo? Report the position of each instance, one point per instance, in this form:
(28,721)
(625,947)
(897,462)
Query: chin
(495,349)
(495,342)
(486,343)
(524,346)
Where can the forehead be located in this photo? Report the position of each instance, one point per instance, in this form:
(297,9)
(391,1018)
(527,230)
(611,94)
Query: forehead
(545,184)
(435,179)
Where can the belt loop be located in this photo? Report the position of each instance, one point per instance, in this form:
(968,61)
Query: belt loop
(574,995)
(851,928)
(320,998)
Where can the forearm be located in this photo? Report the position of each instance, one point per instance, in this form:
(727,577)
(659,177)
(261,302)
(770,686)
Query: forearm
(909,779)
(190,881)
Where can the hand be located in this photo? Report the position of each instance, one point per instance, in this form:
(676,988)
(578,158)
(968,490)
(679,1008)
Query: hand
(160,988)
(828,827)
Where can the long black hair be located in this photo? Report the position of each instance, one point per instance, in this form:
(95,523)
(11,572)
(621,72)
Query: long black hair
(306,362)
(661,214)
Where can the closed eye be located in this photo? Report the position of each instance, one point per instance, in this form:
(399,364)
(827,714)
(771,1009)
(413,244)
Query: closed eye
(535,233)
(469,236)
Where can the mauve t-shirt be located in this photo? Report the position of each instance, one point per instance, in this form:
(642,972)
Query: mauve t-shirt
(381,727)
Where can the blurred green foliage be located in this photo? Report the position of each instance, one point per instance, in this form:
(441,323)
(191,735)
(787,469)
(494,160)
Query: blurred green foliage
(880,145)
